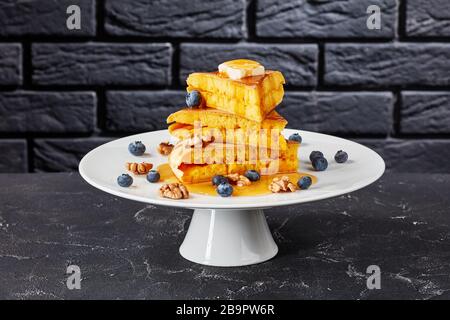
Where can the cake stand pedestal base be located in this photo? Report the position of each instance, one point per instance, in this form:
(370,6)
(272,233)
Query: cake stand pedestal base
(228,238)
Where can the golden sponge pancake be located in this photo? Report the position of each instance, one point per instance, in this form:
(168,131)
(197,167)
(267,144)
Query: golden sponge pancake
(189,167)
(220,119)
(266,138)
(250,97)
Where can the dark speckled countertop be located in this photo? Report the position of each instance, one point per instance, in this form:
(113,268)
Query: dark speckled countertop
(129,250)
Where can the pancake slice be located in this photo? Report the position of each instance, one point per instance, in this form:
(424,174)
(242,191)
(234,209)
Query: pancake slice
(193,165)
(221,119)
(250,97)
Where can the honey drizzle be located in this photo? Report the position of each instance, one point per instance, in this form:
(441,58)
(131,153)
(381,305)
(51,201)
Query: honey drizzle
(257,188)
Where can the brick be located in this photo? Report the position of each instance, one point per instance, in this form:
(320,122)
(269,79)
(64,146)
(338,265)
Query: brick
(44,17)
(339,112)
(176,18)
(101,64)
(25,111)
(425,112)
(10,64)
(428,18)
(421,156)
(297,62)
(380,65)
(55,155)
(128,111)
(13,156)
(323,19)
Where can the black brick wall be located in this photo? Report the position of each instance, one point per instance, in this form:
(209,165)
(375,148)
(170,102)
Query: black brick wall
(64,92)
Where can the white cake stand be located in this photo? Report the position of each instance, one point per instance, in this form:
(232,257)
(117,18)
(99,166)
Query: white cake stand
(232,231)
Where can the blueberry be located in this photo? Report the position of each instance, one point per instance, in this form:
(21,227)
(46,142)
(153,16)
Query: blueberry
(315,154)
(295,137)
(319,163)
(125,180)
(153,176)
(304,182)
(193,99)
(136,148)
(218,179)
(224,189)
(341,156)
(252,175)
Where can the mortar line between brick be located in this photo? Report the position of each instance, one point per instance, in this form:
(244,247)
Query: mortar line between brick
(321,65)
(250,19)
(30,154)
(27,66)
(175,67)
(47,135)
(99,18)
(100,114)
(401,20)
(396,114)
(145,88)
(160,40)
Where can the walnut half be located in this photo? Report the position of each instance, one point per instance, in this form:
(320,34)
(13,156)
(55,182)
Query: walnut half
(139,168)
(282,184)
(239,179)
(165,148)
(174,191)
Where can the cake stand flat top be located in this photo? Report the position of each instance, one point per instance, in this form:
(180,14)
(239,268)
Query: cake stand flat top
(101,167)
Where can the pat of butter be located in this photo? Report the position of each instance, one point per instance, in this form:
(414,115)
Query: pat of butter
(241,68)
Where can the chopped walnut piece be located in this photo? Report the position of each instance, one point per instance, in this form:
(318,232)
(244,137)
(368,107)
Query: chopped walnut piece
(165,148)
(139,168)
(239,179)
(233,177)
(174,191)
(282,184)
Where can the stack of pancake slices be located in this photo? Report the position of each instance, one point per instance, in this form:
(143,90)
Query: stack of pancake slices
(234,127)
